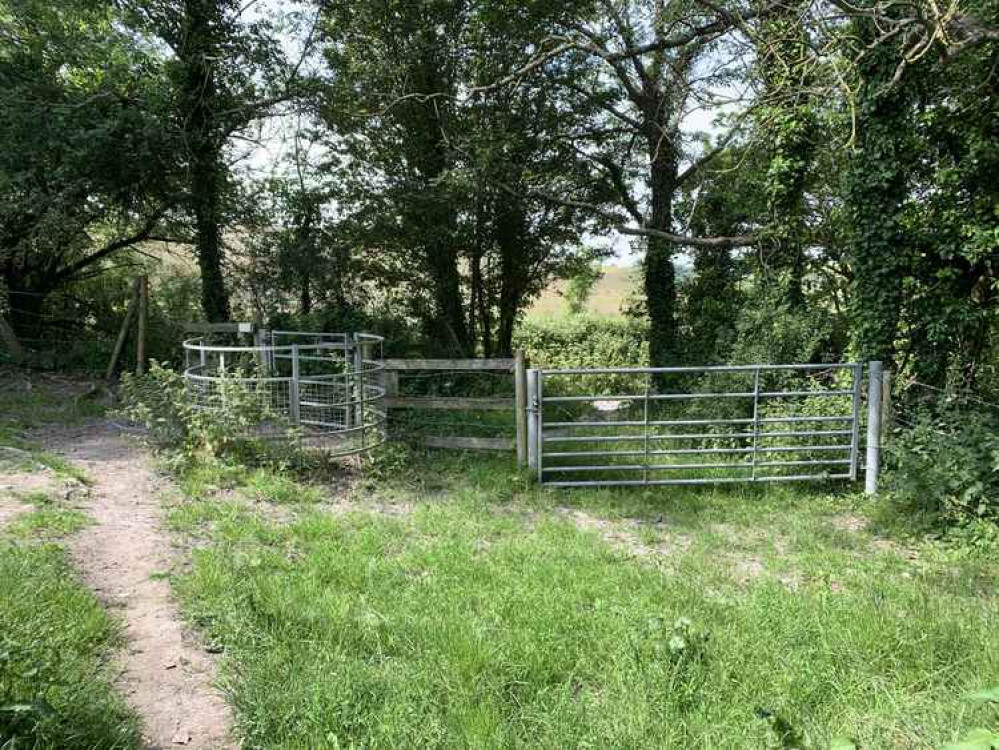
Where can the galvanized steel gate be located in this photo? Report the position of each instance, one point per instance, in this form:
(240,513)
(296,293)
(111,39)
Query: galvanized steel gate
(696,425)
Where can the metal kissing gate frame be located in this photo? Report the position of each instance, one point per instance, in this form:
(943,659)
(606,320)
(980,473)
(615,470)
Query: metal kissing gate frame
(649,437)
(323,390)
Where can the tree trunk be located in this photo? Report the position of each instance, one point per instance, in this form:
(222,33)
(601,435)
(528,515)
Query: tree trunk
(511,236)
(198,94)
(660,274)
(27,306)
(876,191)
(784,67)
(305,306)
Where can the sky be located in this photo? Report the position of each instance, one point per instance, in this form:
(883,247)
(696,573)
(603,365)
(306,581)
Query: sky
(274,139)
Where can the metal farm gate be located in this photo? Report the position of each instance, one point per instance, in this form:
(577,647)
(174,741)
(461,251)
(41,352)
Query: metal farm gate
(699,425)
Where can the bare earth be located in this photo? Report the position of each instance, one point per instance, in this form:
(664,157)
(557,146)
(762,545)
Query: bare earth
(10,508)
(166,675)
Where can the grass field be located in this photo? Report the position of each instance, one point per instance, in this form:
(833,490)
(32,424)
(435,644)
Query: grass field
(444,602)
(55,638)
(617,286)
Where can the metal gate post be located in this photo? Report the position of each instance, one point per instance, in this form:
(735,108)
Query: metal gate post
(294,405)
(645,430)
(532,419)
(873,427)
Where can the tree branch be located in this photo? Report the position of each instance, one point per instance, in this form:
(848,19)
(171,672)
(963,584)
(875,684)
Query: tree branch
(143,233)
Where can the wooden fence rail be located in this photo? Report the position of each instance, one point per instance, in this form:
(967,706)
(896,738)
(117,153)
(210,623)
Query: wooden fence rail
(514,365)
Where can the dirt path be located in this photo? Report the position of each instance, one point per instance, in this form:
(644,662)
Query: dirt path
(166,675)
(10,508)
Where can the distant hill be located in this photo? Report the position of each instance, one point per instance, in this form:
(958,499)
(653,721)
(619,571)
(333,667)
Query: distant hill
(615,288)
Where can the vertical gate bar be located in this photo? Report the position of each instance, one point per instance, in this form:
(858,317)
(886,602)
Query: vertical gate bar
(358,382)
(873,427)
(293,399)
(541,424)
(533,444)
(362,417)
(520,404)
(645,428)
(858,375)
(756,418)
(348,359)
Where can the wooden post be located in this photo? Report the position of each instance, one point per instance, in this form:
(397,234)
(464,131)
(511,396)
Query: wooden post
(390,378)
(8,336)
(520,389)
(140,335)
(123,333)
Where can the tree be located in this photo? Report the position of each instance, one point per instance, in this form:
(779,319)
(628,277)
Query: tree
(228,69)
(85,171)
(391,104)
(660,62)
(788,114)
(447,172)
(580,287)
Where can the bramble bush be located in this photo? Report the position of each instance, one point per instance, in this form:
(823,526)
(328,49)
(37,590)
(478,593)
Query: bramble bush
(945,465)
(228,427)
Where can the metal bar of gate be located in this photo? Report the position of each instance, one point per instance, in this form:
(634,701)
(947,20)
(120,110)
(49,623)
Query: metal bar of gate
(761,442)
(690,370)
(756,417)
(693,436)
(858,374)
(679,396)
(541,424)
(707,480)
(645,430)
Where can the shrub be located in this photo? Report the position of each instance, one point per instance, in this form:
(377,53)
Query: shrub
(946,464)
(227,425)
(585,341)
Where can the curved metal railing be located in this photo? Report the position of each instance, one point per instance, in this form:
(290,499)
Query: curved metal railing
(321,389)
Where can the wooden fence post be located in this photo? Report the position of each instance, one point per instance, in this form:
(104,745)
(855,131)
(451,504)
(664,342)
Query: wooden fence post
(140,335)
(520,389)
(119,344)
(8,336)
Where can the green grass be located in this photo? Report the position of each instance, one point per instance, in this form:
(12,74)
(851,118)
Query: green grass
(54,639)
(486,618)
(47,523)
(26,406)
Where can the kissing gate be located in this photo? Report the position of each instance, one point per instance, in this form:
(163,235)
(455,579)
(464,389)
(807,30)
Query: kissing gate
(702,425)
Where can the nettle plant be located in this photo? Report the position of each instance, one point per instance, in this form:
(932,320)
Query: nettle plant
(229,424)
